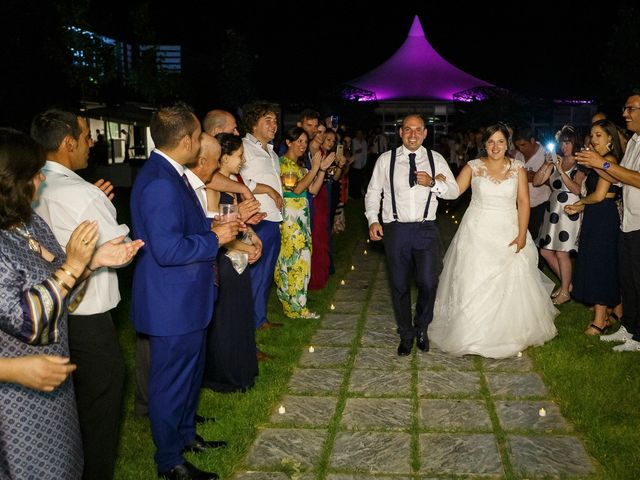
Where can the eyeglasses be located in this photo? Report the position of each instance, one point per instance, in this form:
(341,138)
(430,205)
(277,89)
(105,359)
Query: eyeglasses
(629,109)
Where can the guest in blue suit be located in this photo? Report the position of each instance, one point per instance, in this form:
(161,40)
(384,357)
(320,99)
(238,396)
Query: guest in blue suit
(174,287)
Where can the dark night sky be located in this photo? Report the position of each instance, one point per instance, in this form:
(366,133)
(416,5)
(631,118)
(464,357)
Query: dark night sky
(553,50)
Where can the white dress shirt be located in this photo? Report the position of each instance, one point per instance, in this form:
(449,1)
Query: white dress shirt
(262,166)
(199,187)
(65,200)
(410,201)
(631,195)
(541,194)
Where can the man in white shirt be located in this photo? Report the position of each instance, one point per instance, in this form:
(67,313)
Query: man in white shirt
(532,154)
(627,173)
(409,180)
(66,200)
(263,166)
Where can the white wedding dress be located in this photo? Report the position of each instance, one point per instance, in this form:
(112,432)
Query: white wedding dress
(491,301)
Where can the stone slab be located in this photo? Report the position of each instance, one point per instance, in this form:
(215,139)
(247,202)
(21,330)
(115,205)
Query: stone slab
(333,337)
(381,383)
(516,385)
(475,454)
(381,358)
(325,357)
(304,411)
(339,321)
(434,360)
(377,413)
(454,415)
(316,380)
(513,364)
(448,383)
(386,337)
(353,295)
(273,445)
(348,306)
(556,456)
(374,452)
(380,322)
(525,416)
(380,308)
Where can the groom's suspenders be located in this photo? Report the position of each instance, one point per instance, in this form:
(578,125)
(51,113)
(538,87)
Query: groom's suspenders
(393,194)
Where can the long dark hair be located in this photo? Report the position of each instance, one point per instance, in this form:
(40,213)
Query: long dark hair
(21,158)
(610,128)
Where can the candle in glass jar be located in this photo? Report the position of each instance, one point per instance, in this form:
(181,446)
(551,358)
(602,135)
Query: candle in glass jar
(289,180)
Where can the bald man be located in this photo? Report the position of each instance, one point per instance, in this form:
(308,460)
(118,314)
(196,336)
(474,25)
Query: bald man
(220,121)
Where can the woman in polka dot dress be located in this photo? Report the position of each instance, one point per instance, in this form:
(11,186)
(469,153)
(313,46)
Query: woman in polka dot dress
(559,232)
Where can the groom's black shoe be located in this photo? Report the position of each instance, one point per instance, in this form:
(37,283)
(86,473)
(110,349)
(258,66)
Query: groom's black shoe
(404,348)
(422,341)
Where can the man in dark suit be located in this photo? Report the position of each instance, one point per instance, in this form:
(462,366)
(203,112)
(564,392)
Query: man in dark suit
(174,287)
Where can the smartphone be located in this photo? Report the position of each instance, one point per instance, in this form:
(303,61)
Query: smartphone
(335,120)
(340,149)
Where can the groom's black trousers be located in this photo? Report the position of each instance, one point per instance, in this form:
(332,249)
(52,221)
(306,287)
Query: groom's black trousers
(412,248)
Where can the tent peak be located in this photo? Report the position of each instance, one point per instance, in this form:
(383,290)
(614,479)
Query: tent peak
(416,29)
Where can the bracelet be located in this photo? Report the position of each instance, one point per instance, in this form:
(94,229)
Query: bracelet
(75,277)
(61,282)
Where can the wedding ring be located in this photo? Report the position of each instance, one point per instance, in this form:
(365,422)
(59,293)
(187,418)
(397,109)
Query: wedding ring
(85,242)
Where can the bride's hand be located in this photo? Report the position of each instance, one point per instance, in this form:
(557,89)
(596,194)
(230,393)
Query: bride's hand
(520,241)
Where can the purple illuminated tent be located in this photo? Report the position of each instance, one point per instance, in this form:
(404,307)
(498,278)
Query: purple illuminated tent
(416,71)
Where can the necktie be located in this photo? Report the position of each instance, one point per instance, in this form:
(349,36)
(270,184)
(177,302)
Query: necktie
(412,169)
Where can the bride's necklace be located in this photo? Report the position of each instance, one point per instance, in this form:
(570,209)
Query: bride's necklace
(24,232)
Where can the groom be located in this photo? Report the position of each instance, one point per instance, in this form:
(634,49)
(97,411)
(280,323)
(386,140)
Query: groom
(409,179)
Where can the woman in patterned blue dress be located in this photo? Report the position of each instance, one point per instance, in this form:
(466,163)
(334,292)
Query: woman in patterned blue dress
(39,432)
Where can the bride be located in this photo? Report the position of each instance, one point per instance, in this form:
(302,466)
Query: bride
(492,300)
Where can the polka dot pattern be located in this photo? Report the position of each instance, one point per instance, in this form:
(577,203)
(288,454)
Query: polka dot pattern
(560,230)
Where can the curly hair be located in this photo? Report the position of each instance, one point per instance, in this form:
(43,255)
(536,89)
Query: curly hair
(254,112)
(21,158)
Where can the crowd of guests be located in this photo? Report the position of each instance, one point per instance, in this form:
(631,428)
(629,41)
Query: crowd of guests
(201,282)
(217,219)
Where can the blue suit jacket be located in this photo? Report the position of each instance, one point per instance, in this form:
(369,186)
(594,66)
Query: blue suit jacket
(173,280)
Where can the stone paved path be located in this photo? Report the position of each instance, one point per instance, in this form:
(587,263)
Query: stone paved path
(357,411)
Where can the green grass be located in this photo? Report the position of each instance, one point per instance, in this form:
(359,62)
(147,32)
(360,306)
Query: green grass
(597,390)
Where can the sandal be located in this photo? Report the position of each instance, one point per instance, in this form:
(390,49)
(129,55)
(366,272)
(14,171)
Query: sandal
(613,318)
(598,330)
(555,293)
(562,297)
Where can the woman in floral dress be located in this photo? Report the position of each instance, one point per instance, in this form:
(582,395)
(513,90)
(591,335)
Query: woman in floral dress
(293,268)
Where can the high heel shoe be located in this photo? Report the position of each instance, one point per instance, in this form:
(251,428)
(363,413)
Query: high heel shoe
(594,329)
(562,297)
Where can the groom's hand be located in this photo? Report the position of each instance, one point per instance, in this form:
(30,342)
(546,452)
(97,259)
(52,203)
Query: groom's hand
(375,232)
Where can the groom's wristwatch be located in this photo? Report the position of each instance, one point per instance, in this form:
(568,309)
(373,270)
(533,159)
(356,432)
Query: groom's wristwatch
(433,183)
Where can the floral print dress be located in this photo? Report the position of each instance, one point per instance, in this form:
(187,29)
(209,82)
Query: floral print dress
(293,268)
